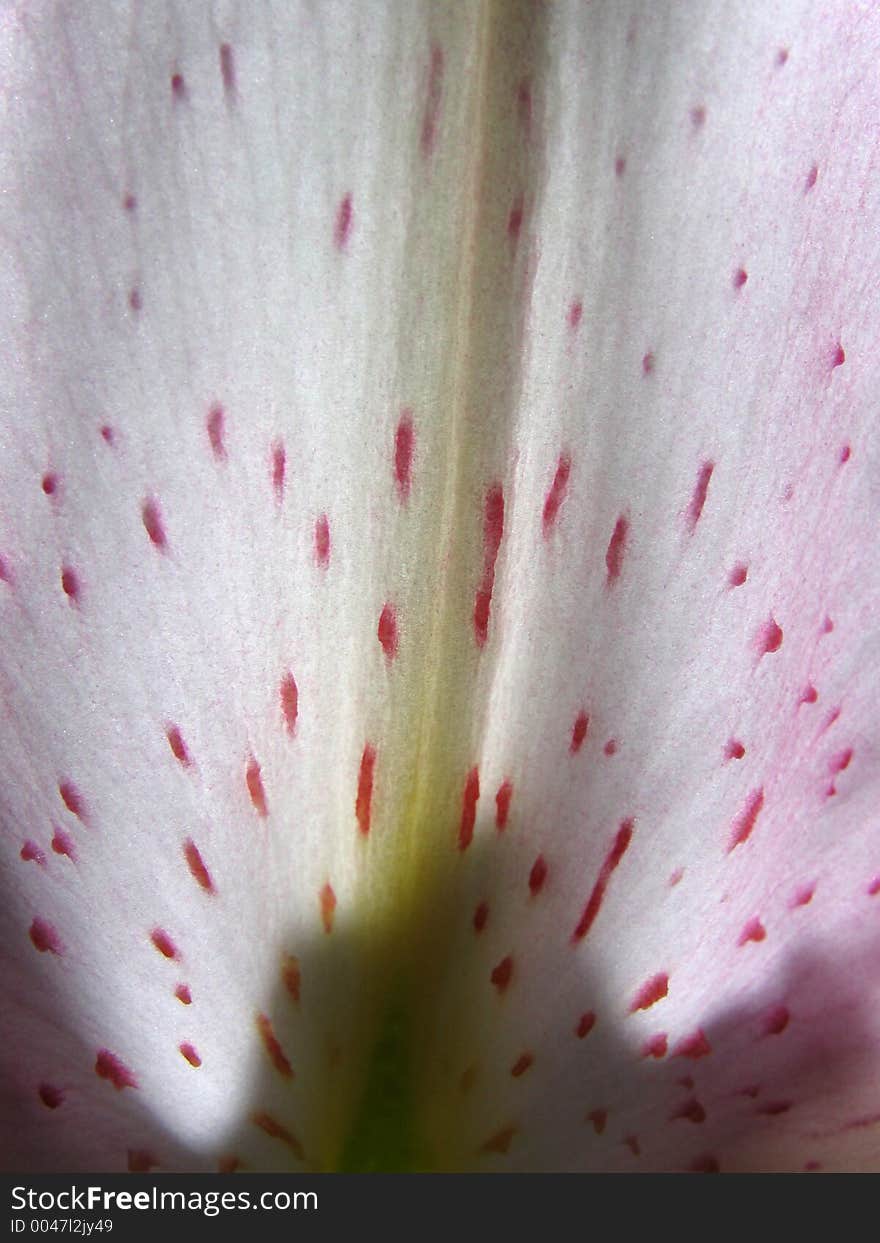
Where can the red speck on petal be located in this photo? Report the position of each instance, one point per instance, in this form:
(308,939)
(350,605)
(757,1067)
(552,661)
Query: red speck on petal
(188,1052)
(515,219)
(255,789)
(31,852)
(469,800)
(739,278)
(692,1110)
(322,541)
(781,56)
(838,358)
(537,876)
(522,1064)
(107,434)
(152,519)
(50,484)
(273,1046)
(387,631)
(655,1046)
(769,637)
(524,104)
(51,1096)
(502,804)
(619,166)
(585,1024)
(129,203)
(183,994)
(108,1066)
(616,549)
(502,973)
(675,877)
(575,314)
(694,1046)
(45,938)
(431,113)
(135,301)
(215,424)
(275,1130)
(811,179)
(556,494)
(70,584)
(599,1118)
(342,226)
(698,500)
(196,865)
(744,823)
(493,530)
(840,762)
(140,1161)
(772,1109)
(177,745)
(279,469)
(227,70)
(752,931)
(289,696)
(327,900)
(178,87)
(803,896)
(651,992)
(874,887)
(610,747)
(698,116)
(809,695)
(775,1021)
(481,915)
(844,455)
(72,800)
(500,1141)
(292,976)
(594,903)
(163,943)
(738,575)
(734,750)
(404,445)
(579,732)
(363,803)
(648,364)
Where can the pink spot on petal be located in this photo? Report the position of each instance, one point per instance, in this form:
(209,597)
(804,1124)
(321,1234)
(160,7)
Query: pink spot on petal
(273,1047)
(469,800)
(619,166)
(753,930)
(227,70)
(189,1054)
(691,1110)
(404,444)
(502,973)
(178,746)
(502,804)
(108,1066)
(45,938)
(556,494)
(178,87)
(364,800)
(739,278)
(342,226)
(215,424)
(196,865)
(387,631)
(809,695)
(481,916)
(656,1046)
(734,750)
(694,1046)
(493,531)
(72,800)
(803,896)
(651,992)
(769,637)
(838,357)
(254,781)
(579,732)
(648,363)
(31,853)
(810,180)
(431,114)
(575,313)
(874,887)
(775,1021)
(594,903)
(279,470)
(62,844)
(515,219)
(183,994)
(292,976)
(152,520)
(616,549)
(738,575)
(163,943)
(70,584)
(744,823)
(51,1096)
(698,500)
(289,697)
(585,1024)
(537,876)
(781,57)
(50,484)
(698,116)
(322,541)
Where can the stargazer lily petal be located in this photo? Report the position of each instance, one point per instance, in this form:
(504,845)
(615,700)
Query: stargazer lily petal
(440,606)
